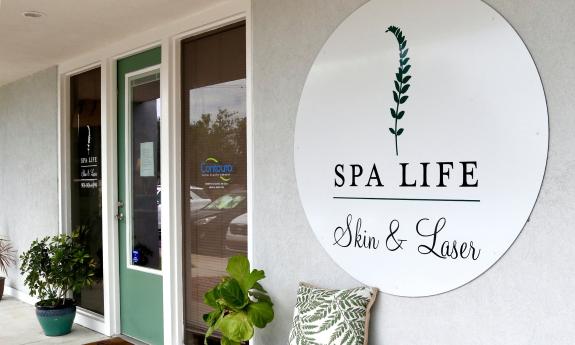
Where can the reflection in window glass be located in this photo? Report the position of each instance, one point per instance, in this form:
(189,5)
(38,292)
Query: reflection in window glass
(86,186)
(214,164)
(145,207)
(227,202)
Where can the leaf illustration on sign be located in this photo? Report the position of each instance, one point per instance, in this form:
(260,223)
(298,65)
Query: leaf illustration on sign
(401,82)
(89,139)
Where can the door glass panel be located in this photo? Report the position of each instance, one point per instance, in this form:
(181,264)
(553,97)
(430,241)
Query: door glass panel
(144,206)
(86,184)
(214,164)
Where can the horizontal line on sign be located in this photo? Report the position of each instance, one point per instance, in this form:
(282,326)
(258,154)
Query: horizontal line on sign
(405,199)
(88,166)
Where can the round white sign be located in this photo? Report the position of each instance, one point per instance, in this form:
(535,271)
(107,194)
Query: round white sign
(421,143)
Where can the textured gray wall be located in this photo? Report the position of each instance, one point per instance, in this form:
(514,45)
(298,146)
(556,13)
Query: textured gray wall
(526,298)
(28,161)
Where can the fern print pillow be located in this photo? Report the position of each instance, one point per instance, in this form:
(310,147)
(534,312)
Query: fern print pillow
(331,317)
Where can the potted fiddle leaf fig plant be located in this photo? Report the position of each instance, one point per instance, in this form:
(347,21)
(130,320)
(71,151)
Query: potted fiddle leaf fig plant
(7,259)
(55,267)
(240,303)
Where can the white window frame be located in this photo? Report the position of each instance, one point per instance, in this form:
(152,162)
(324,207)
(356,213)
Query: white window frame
(169,37)
(128,202)
(84,316)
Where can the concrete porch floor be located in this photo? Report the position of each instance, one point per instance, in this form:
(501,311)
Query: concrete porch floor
(18,326)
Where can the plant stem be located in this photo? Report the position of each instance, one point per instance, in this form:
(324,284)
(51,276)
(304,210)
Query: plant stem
(401,78)
(396,113)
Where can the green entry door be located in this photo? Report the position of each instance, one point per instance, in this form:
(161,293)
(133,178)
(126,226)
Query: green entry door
(139,190)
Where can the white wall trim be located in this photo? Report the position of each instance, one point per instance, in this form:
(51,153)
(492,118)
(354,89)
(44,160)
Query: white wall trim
(249,135)
(110,241)
(250,123)
(20,295)
(168,136)
(91,320)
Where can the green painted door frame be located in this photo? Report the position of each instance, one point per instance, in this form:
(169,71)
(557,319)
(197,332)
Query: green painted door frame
(141,311)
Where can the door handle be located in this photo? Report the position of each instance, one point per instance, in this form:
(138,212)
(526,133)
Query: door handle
(119,215)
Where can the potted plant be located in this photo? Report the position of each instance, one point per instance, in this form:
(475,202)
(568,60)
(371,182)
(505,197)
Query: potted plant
(240,303)
(7,259)
(55,267)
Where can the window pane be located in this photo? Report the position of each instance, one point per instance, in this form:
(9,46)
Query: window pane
(145,204)
(214,163)
(86,186)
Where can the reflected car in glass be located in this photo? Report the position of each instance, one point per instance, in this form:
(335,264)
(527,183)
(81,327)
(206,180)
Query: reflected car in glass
(213,220)
(198,198)
(236,241)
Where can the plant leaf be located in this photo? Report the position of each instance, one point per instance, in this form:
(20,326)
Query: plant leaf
(226,341)
(212,328)
(395,97)
(260,296)
(232,294)
(403,99)
(260,313)
(397,88)
(406,79)
(400,115)
(210,298)
(259,287)
(237,327)
(238,267)
(406,69)
(392,131)
(399,76)
(212,317)
(209,332)
(402,45)
(404,62)
(252,279)
(399,131)
(392,112)
(405,88)
(403,54)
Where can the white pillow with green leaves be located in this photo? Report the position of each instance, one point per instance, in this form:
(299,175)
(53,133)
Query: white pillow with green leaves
(331,317)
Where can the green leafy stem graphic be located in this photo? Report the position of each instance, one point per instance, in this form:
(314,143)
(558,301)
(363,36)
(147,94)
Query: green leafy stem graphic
(401,85)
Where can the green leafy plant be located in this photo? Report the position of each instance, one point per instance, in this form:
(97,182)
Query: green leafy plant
(400,82)
(55,267)
(240,303)
(7,258)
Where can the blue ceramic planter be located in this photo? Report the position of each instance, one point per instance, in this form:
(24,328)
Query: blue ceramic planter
(58,320)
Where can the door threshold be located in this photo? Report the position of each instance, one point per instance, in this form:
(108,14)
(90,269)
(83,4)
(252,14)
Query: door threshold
(117,340)
(132,340)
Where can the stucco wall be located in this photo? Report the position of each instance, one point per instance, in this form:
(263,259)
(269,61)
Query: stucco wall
(526,298)
(28,161)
